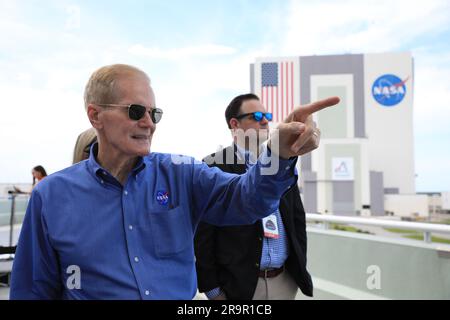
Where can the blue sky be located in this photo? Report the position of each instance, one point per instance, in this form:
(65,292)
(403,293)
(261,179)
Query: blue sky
(197,54)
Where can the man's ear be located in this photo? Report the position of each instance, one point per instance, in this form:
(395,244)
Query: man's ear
(234,123)
(93,115)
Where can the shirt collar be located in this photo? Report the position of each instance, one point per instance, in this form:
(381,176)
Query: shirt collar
(100,173)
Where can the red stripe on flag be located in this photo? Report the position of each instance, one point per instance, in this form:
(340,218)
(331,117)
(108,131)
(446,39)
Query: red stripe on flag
(271,97)
(288,87)
(282,87)
(262,96)
(286,107)
(297,84)
(276,101)
(292,86)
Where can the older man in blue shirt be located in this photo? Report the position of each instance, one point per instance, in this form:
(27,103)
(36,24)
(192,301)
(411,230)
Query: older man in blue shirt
(120,224)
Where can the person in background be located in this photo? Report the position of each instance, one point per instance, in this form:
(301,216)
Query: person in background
(83,145)
(38,174)
(265,260)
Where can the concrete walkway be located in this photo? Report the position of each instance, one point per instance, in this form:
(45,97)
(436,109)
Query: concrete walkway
(4,293)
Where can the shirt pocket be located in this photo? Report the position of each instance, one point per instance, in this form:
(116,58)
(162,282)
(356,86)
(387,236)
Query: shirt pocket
(172,233)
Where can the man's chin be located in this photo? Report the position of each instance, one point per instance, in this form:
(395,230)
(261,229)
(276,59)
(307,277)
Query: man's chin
(142,148)
(143,153)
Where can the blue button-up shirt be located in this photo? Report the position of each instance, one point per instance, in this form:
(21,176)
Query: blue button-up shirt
(133,241)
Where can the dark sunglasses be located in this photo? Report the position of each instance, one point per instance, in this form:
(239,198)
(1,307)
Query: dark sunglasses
(136,111)
(257,116)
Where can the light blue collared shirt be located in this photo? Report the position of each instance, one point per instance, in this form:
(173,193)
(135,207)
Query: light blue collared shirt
(274,251)
(133,241)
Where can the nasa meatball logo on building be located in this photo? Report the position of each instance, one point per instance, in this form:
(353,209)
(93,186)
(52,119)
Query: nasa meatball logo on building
(389,90)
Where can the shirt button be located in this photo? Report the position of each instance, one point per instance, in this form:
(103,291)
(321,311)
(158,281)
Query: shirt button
(102,181)
(260,239)
(130,227)
(136,259)
(126,192)
(147,292)
(287,168)
(257,265)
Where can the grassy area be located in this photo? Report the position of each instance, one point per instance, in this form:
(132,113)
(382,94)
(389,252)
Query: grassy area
(410,234)
(400,230)
(341,227)
(445,221)
(433,238)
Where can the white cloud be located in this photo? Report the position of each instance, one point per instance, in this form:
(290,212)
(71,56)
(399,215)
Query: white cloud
(74,17)
(360,26)
(38,126)
(432,98)
(431,172)
(176,53)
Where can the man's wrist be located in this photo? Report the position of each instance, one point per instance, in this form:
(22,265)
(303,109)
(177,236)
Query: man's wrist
(275,152)
(214,293)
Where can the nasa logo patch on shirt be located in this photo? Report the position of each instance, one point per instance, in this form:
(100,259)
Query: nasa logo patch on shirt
(162,197)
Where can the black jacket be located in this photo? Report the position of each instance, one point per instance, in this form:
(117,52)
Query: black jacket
(229,257)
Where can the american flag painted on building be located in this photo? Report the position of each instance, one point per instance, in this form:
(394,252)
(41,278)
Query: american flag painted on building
(277,88)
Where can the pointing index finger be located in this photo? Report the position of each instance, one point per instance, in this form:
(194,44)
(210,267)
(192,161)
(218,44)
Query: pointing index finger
(321,104)
(309,109)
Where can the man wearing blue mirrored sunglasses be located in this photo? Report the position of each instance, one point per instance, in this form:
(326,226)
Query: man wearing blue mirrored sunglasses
(265,259)
(257,116)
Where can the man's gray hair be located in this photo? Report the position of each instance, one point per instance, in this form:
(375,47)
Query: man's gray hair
(101,87)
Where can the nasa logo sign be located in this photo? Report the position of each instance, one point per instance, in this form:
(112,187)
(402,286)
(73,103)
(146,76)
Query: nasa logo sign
(389,90)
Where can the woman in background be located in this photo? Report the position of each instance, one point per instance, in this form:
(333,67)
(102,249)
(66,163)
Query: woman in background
(38,173)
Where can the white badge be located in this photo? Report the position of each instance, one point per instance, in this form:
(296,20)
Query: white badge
(270,227)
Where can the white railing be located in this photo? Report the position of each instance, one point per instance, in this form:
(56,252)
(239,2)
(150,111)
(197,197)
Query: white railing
(426,228)
(10,210)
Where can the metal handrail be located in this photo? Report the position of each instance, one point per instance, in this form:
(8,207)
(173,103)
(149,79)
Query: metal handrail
(12,195)
(11,217)
(426,228)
